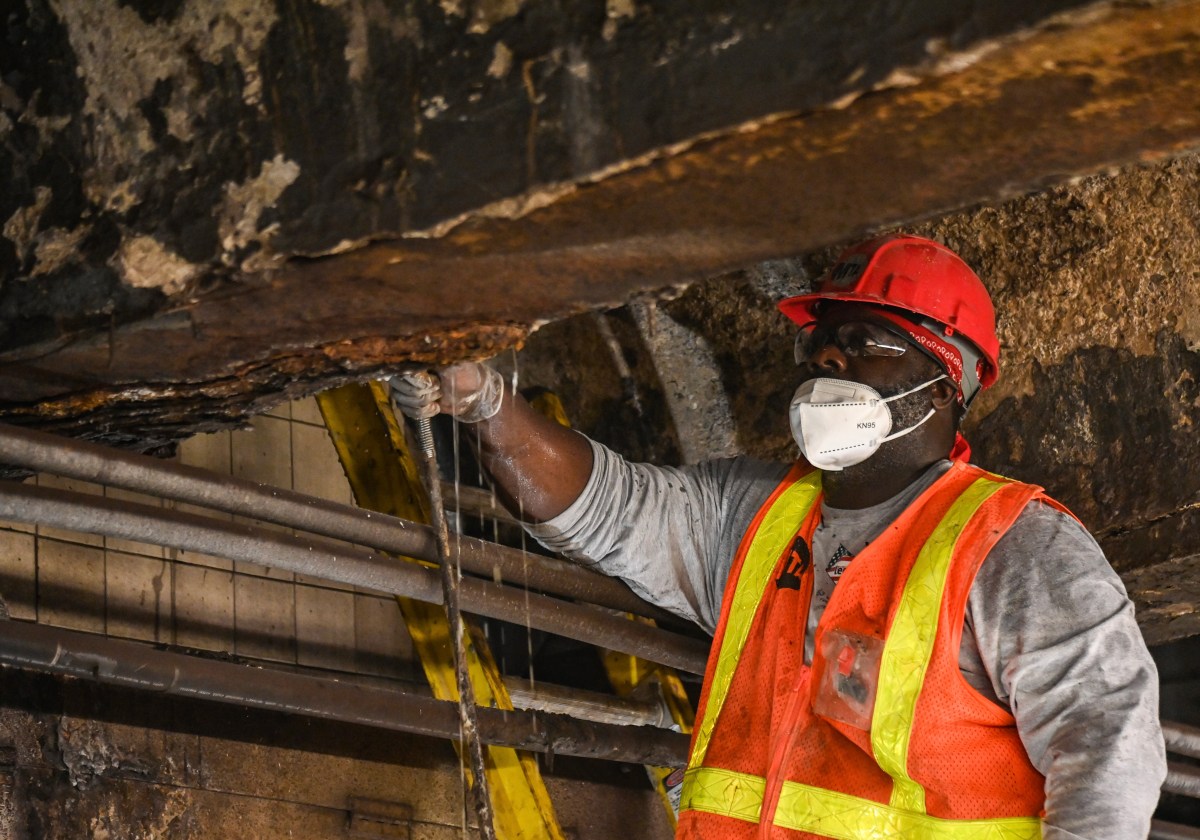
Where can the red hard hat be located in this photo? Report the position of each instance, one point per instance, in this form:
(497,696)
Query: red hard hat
(915,275)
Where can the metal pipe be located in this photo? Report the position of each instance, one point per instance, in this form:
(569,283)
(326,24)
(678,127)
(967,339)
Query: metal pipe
(1160,830)
(1182,779)
(475,501)
(133,665)
(344,564)
(85,461)
(1181,738)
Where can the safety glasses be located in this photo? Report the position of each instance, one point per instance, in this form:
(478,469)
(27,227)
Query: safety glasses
(853,338)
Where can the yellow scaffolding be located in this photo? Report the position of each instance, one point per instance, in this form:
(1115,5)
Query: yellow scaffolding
(384,477)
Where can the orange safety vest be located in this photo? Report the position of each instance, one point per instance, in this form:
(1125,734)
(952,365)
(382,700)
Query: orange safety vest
(933,759)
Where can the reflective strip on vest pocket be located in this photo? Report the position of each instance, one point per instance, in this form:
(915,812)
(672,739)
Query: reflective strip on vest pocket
(724,792)
(843,817)
(909,646)
(772,538)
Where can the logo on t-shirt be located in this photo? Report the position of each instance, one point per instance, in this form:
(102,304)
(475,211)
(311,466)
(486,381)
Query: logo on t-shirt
(838,563)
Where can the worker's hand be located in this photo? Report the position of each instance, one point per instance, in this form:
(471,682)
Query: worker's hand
(468,391)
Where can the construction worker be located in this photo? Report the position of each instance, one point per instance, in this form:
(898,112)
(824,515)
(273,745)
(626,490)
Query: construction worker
(904,644)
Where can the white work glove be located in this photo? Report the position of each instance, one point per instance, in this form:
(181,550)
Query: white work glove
(468,392)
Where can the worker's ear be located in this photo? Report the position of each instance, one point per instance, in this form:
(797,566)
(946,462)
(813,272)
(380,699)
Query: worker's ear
(944,394)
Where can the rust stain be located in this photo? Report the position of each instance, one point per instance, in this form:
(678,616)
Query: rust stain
(252,387)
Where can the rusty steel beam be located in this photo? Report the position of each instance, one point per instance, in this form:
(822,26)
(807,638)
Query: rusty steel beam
(41,452)
(295,149)
(1157,561)
(132,665)
(1118,84)
(532,695)
(344,564)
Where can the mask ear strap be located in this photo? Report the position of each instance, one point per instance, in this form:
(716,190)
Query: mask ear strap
(914,390)
(903,432)
(915,426)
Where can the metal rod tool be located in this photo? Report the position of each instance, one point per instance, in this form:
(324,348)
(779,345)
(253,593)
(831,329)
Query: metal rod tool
(466,693)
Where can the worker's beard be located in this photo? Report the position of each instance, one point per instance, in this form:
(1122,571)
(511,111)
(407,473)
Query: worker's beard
(910,410)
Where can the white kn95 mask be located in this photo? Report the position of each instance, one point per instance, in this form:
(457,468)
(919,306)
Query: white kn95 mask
(838,423)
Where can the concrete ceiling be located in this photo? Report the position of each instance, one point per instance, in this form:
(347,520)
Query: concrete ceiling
(210,207)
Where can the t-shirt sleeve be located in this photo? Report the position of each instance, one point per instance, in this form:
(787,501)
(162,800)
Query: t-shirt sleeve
(1058,640)
(670,533)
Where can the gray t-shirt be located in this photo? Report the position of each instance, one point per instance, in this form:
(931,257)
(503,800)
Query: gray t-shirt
(1049,632)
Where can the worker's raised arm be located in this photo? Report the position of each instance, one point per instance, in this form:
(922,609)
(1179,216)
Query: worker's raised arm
(539,467)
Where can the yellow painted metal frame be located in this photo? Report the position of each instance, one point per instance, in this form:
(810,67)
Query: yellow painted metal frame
(626,673)
(384,477)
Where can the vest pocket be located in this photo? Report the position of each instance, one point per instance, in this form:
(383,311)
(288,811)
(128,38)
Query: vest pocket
(847,666)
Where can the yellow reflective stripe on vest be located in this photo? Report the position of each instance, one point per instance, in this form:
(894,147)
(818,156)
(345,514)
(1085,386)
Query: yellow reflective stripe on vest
(775,531)
(843,817)
(837,815)
(909,646)
(724,792)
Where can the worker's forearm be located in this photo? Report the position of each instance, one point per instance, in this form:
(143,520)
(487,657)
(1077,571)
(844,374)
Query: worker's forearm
(539,467)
